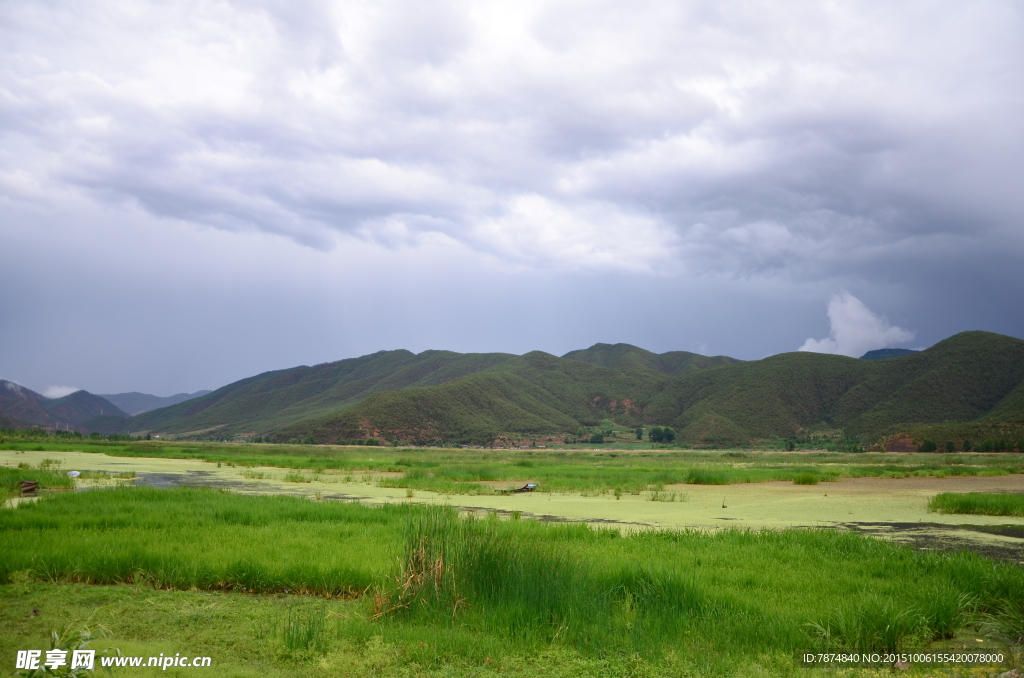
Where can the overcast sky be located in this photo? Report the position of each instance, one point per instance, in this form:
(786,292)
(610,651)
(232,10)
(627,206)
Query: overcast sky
(195,192)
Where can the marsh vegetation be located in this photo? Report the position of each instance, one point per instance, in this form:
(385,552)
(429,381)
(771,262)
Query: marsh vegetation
(451,593)
(475,471)
(978,503)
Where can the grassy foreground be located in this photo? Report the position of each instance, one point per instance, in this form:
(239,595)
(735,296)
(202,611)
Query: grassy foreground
(420,591)
(205,539)
(978,503)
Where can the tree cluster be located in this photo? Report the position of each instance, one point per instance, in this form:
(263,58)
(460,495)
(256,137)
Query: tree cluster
(662,434)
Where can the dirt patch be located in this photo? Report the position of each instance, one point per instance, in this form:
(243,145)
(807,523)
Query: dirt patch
(900,445)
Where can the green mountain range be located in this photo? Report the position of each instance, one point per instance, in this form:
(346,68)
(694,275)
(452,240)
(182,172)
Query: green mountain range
(440,396)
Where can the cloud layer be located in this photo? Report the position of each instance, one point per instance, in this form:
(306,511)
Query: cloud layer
(653,137)
(605,154)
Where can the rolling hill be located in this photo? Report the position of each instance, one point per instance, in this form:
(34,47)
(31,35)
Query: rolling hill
(440,396)
(274,399)
(973,376)
(531,394)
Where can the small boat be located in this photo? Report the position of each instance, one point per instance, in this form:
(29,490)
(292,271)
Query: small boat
(29,486)
(528,487)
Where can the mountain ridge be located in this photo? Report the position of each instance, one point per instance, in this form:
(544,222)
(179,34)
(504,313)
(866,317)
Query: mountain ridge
(442,396)
(964,378)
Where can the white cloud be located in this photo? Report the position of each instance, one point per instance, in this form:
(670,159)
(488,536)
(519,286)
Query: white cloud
(712,161)
(59,391)
(856,329)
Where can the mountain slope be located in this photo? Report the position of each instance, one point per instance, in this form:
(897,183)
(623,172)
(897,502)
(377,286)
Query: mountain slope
(24,404)
(11,422)
(535,393)
(274,399)
(779,395)
(444,396)
(967,377)
(136,403)
(962,378)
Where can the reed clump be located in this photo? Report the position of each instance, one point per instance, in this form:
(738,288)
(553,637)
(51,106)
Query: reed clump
(978,503)
(523,583)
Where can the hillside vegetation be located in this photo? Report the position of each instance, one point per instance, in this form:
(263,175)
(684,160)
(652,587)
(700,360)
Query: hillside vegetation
(974,378)
(971,376)
(625,356)
(273,399)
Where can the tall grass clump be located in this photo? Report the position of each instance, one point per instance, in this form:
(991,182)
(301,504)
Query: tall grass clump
(304,629)
(732,592)
(805,479)
(706,477)
(1006,624)
(978,503)
(874,624)
(451,562)
(527,582)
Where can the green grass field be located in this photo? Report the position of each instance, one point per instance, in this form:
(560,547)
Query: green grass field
(978,503)
(308,588)
(195,538)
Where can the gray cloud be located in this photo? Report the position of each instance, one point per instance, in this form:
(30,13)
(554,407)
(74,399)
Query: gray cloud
(651,151)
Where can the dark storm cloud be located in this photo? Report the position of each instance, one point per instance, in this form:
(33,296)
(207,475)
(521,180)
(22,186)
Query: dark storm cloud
(694,148)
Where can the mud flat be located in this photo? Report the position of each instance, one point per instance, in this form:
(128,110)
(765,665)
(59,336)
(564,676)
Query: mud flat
(894,508)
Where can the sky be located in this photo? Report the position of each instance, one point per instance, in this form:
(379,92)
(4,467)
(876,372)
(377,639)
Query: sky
(196,192)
